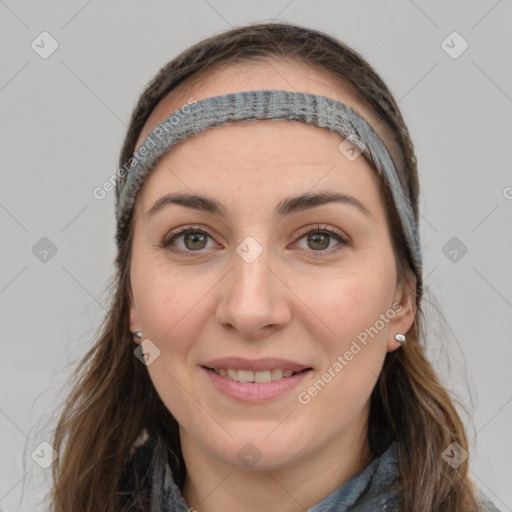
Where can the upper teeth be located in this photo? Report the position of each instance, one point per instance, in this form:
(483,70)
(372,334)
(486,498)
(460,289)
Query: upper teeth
(250,376)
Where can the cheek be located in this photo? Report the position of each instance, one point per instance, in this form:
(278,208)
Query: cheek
(349,304)
(357,311)
(354,350)
(172,313)
(165,296)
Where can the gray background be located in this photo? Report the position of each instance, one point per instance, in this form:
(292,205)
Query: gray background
(63,119)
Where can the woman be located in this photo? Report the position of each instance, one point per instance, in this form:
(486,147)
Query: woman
(264,349)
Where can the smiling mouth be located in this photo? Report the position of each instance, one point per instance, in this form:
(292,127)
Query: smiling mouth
(255,376)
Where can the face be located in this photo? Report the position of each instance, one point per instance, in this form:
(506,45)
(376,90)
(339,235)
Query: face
(262,286)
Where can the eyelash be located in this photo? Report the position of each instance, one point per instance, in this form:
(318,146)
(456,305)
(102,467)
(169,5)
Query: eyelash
(173,235)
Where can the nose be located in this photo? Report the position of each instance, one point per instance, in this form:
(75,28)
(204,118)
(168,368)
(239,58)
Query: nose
(255,300)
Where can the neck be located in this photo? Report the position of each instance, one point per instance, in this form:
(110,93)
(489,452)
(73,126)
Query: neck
(213,485)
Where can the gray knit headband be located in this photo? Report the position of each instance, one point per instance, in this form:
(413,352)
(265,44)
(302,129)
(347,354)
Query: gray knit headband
(267,104)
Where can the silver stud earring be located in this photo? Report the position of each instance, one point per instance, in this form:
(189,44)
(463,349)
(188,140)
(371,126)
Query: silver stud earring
(400,338)
(137,335)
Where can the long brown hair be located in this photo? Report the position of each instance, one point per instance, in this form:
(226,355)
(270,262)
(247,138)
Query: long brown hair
(113,400)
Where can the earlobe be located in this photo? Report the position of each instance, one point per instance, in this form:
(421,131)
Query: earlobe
(405,315)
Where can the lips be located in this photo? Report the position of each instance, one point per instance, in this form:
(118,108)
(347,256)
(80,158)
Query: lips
(256,380)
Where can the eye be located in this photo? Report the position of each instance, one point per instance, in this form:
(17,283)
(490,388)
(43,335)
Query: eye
(193,240)
(319,240)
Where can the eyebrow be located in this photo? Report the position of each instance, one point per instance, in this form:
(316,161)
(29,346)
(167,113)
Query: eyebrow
(285,207)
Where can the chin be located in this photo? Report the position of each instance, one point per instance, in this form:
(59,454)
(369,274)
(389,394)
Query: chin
(257,452)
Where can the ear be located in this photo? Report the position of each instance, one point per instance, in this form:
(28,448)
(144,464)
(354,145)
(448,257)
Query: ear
(404,305)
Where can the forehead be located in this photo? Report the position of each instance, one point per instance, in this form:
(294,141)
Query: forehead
(251,166)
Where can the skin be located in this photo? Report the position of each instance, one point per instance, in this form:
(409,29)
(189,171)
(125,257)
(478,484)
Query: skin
(291,302)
